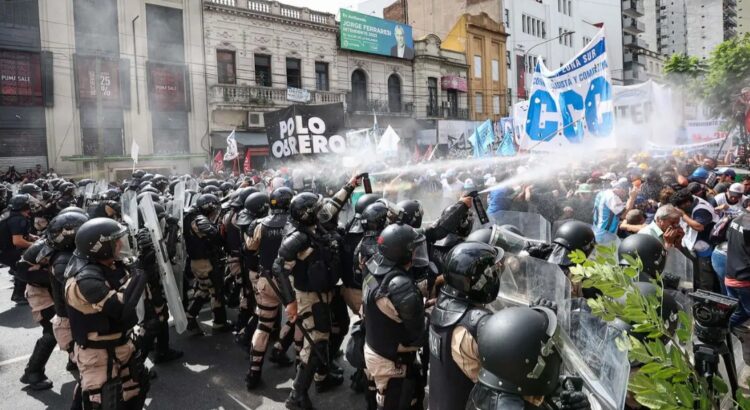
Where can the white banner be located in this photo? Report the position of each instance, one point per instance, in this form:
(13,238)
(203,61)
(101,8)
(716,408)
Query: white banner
(645,114)
(572,105)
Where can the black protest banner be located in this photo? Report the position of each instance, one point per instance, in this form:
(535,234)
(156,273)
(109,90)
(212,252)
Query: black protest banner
(305,130)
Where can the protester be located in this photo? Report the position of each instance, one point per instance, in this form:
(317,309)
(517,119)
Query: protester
(609,207)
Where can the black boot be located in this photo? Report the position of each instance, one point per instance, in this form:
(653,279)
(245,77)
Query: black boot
(164,353)
(252,379)
(331,381)
(19,290)
(280,358)
(77,403)
(359,381)
(298,398)
(330,378)
(34,375)
(193,327)
(220,325)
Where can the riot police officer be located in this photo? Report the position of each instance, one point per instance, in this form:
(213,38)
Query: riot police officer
(310,257)
(520,365)
(154,334)
(353,233)
(262,241)
(395,323)
(102,293)
(203,242)
(571,236)
(33,268)
(649,249)
(472,279)
(373,220)
(14,238)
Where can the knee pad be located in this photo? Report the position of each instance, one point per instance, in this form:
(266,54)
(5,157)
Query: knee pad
(399,393)
(321,313)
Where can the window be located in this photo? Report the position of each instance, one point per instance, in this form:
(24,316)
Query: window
(477,66)
(225,67)
(496,104)
(523,24)
(394,93)
(559,5)
(359,90)
(507,18)
(321,76)
(495,70)
(530,64)
(478,103)
(263,70)
(432,89)
(570,8)
(293,73)
(507,59)
(544,30)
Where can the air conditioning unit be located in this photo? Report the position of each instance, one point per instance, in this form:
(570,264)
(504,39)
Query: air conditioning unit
(255,119)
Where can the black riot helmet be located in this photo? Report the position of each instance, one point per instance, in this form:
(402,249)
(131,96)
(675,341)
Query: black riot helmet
(97,239)
(159,210)
(648,248)
(483,235)
(363,202)
(138,174)
(30,189)
(147,176)
(576,235)
(207,203)
(35,253)
(160,182)
(239,197)
(82,183)
(72,209)
(226,187)
(212,189)
(147,187)
(413,212)
(402,244)
(110,195)
(374,217)
(66,188)
(20,202)
(256,204)
(516,351)
(154,196)
(304,208)
(62,229)
(172,185)
(281,198)
(473,270)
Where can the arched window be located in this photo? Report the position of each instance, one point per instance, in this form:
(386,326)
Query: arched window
(359,91)
(394,93)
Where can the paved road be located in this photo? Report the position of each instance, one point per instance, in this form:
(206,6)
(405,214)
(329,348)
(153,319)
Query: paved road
(209,376)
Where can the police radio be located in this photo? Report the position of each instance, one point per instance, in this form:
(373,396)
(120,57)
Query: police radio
(479,207)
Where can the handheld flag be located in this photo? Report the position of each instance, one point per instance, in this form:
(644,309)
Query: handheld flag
(231,148)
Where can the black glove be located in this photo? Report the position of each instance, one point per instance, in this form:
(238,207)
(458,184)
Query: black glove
(539,251)
(573,400)
(546,303)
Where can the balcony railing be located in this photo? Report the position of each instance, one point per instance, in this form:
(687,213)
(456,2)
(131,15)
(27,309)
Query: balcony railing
(378,106)
(278,9)
(633,8)
(433,110)
(633,26)
(446,111)
(264,96)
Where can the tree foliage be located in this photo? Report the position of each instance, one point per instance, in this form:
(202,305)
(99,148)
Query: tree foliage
(728,72)
(665,377)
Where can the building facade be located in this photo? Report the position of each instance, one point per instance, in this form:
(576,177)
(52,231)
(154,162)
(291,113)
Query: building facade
(124,72)
(482,40)
(696,27)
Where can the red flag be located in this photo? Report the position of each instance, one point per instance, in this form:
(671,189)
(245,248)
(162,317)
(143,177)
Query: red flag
(248,164)
(417,154)
(427,154)
(236,167)
(219,162)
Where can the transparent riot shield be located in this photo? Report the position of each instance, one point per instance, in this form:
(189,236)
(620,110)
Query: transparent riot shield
(129,206)
(510,241)
(14,189)
(679,266)
(101,186)
(151,222)
(589,350)
(527,279)
(530,225)
(88,194)
(177,209)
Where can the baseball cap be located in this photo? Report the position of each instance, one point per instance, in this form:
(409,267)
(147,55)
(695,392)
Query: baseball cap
(726,172)
(584,188)
(622,183)
(736,189)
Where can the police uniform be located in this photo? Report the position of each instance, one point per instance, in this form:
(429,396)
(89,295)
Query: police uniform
(15,223)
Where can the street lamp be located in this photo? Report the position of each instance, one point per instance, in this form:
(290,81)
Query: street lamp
(526,54)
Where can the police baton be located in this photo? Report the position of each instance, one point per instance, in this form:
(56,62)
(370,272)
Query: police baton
(298,323)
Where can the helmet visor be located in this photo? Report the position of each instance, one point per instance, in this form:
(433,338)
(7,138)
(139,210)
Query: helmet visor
(419,256)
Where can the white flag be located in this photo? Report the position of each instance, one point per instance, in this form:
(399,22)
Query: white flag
(388,142)
(231,153)
(134,149)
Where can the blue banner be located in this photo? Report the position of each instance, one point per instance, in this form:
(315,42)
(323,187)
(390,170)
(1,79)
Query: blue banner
(482,138)
(507,148)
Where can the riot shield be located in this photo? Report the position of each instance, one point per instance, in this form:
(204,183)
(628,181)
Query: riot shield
(88,194)
(151,222)
(511,242)
(101,186)
(589,350)
(129,205)
(527,279)
(530,225)
(679,266)
(177,209)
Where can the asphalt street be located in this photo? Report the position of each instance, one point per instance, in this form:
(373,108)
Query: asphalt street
(209,376)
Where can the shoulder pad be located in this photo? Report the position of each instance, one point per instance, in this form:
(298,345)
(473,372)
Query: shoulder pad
(75,265)
(59,262)
(406,297)
(449,241)
(244,219)
(448,311)
(143,237)
(204,225)
(275,221)
(294,243)
(92,284)
(472,318)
